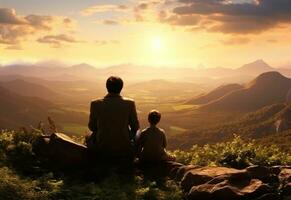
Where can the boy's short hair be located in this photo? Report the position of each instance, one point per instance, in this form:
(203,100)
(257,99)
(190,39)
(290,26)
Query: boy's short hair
(114,84)
(154,117)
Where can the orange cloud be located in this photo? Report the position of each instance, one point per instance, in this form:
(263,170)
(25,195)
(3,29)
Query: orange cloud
(15,28)
(252,16)
(57,40)
(104,8)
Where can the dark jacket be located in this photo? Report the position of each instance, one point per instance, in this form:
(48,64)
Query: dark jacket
(114,121)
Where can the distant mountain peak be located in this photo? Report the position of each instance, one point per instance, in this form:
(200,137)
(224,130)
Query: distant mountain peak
(258,65)
(260,61)
(270,76)
(83,66)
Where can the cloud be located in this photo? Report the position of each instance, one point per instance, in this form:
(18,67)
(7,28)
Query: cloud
(104,8)
(58,40)
(14,47)
(235,17)
(105,42)
(145,10)
(15,28)
(110,22)
(8,16)
(236,41)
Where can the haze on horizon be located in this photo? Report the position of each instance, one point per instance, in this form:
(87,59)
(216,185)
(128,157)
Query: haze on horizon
(157,33)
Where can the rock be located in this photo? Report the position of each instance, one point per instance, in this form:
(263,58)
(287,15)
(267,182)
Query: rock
(183,170)
(61,151)
(202,175)
(269,196)
(267,175)
(285,175)
(228,190)
(286,189)
(275,170)
(172,168)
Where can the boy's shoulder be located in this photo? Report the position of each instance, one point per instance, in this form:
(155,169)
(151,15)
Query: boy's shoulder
(151,129)
(145,130)
(162,130)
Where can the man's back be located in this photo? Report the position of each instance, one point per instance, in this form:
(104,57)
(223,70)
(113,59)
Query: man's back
(111,118)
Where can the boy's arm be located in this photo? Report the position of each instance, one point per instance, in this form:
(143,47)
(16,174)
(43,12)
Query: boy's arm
(139,144)
(133,120)
(164,140)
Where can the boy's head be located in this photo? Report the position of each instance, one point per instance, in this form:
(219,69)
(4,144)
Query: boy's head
(154,117)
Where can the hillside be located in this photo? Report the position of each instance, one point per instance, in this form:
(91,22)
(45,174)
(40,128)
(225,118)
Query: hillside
(23,111)
(260,125)
(17,110)
(26,88)
(268,88)
(215,94)
(163,90)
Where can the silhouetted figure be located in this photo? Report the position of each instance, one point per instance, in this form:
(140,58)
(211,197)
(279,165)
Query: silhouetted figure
(152,141)
(114,123)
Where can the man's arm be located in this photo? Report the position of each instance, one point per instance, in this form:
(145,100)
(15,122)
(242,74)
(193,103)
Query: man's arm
(92,119)
(133,120)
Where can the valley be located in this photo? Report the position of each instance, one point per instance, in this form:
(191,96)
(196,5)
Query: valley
(194,110)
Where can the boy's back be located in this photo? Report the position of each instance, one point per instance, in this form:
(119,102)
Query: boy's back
(153,141)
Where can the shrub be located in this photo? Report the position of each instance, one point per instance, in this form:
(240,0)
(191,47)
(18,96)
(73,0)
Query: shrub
(236,153)
(21,178)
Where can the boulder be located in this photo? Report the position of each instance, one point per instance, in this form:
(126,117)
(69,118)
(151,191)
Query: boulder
(286,190)
(285,175)
(265,174)
(202,175)
(61,151)
(269,196)
(229,190)
(183,170)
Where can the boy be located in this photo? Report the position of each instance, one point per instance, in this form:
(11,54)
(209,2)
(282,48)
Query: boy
(152,141)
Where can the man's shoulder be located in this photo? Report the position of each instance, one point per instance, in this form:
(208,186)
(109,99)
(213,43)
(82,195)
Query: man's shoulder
(96,101)
(128,100)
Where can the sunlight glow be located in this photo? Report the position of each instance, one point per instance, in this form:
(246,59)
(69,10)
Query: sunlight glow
(157,44)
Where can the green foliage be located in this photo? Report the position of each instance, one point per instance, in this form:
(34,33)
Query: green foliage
(236,153)
(21,178)
(16,149)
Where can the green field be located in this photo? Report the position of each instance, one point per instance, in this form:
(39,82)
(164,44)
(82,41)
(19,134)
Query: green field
(76,129)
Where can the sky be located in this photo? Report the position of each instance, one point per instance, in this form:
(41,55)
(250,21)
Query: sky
(179,33)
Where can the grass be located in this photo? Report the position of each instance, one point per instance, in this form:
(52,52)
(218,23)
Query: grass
(23,177)
(175,130)
(183,107)
(237,153)
(75,129)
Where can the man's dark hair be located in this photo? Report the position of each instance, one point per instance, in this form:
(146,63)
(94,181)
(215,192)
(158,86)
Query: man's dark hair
(154,117)
(114,84)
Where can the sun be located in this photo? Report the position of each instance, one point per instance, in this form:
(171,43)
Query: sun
(157,44)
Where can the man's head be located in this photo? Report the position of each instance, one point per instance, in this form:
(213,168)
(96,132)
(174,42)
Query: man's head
(154,117)
(114,85)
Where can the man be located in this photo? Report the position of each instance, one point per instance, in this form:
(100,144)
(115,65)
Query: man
(114,123)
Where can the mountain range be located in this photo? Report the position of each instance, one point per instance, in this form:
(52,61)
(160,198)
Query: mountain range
(268,88)
(215,94)
(136,73)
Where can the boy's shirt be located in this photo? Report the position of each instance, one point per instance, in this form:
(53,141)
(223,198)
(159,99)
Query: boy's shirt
(152,142)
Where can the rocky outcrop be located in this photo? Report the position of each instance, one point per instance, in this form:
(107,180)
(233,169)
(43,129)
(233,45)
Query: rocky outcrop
(61,151)
(205,183)
(216,183)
